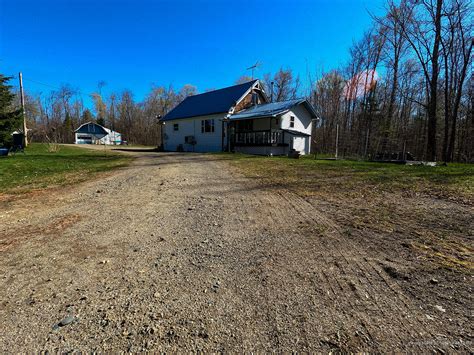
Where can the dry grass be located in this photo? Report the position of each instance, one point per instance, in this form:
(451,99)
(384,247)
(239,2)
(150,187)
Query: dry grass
(428,209)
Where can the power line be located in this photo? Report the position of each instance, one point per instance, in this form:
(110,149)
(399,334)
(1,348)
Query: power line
(79,92)
(40,83)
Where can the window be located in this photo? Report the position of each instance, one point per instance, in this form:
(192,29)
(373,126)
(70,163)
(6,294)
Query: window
(176,127)
(292,121)
(245,125)
(207,126)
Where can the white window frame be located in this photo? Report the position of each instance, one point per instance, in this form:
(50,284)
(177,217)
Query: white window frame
(211,126)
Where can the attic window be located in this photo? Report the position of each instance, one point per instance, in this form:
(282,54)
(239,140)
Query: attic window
(176,127)
(292,121)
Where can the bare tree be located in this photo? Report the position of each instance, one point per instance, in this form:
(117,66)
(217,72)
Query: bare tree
(285,85)
(100,108)
(457,48)
(421,26)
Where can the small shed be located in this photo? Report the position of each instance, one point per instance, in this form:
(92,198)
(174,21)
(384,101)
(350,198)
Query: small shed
(93,133)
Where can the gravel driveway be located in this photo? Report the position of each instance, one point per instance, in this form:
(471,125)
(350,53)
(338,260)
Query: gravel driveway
(180,252)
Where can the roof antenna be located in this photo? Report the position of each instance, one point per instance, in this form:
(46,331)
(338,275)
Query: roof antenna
(253,67)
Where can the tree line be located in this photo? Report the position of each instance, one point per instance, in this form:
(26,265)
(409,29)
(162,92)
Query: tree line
(407,88)
(55,116)
(422,103)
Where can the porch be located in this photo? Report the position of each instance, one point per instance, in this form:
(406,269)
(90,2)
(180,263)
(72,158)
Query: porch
(259,138)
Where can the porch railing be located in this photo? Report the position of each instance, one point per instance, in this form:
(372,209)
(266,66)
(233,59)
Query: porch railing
(259,138)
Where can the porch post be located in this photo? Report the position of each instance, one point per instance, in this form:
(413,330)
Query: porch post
(222,134)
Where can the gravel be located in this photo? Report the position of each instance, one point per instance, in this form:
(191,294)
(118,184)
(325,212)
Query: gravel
(178,252)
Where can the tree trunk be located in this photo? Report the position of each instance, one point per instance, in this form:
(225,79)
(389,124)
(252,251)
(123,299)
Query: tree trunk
(433,97)
(457,103)
(447,87)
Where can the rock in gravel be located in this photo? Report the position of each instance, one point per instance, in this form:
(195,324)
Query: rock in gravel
(441,309)
(434,281)
(66,321)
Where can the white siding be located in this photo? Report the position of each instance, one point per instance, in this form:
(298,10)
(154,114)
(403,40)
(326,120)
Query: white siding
(205,142)
(111,138)
(299,144)
(302,120)
(302,124)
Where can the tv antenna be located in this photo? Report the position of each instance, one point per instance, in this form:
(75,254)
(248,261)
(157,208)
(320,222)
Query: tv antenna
(253,67)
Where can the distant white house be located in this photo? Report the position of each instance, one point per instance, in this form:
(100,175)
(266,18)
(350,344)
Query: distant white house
(93,133)
(239,118)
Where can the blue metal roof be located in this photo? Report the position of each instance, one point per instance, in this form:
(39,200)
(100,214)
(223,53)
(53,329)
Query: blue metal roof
(208,103)
(272,109)
(91,127)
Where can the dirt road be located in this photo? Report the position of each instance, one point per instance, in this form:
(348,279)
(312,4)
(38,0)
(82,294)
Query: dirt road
(180,252)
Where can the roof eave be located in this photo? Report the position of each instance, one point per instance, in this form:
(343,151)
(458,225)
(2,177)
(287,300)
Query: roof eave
(164,119)
(105,129)
(257,116)
(310,108)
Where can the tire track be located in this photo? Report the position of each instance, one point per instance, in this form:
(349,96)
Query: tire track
(337,237)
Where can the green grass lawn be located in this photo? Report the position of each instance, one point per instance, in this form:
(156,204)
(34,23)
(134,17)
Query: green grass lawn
(38,168)
(310,176)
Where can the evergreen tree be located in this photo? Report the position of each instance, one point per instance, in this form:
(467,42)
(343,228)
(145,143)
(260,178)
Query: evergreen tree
(87,116)
(10,119)
(100,121)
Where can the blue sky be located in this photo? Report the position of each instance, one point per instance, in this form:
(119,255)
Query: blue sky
(208,43)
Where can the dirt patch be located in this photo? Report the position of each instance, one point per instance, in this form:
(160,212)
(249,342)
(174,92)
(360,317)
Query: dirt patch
(26,232)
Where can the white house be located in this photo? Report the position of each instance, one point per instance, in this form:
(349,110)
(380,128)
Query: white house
(93,133)
(239,118)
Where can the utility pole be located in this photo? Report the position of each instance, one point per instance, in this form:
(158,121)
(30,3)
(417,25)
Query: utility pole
(337,138)
(367,142)
(22,99)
